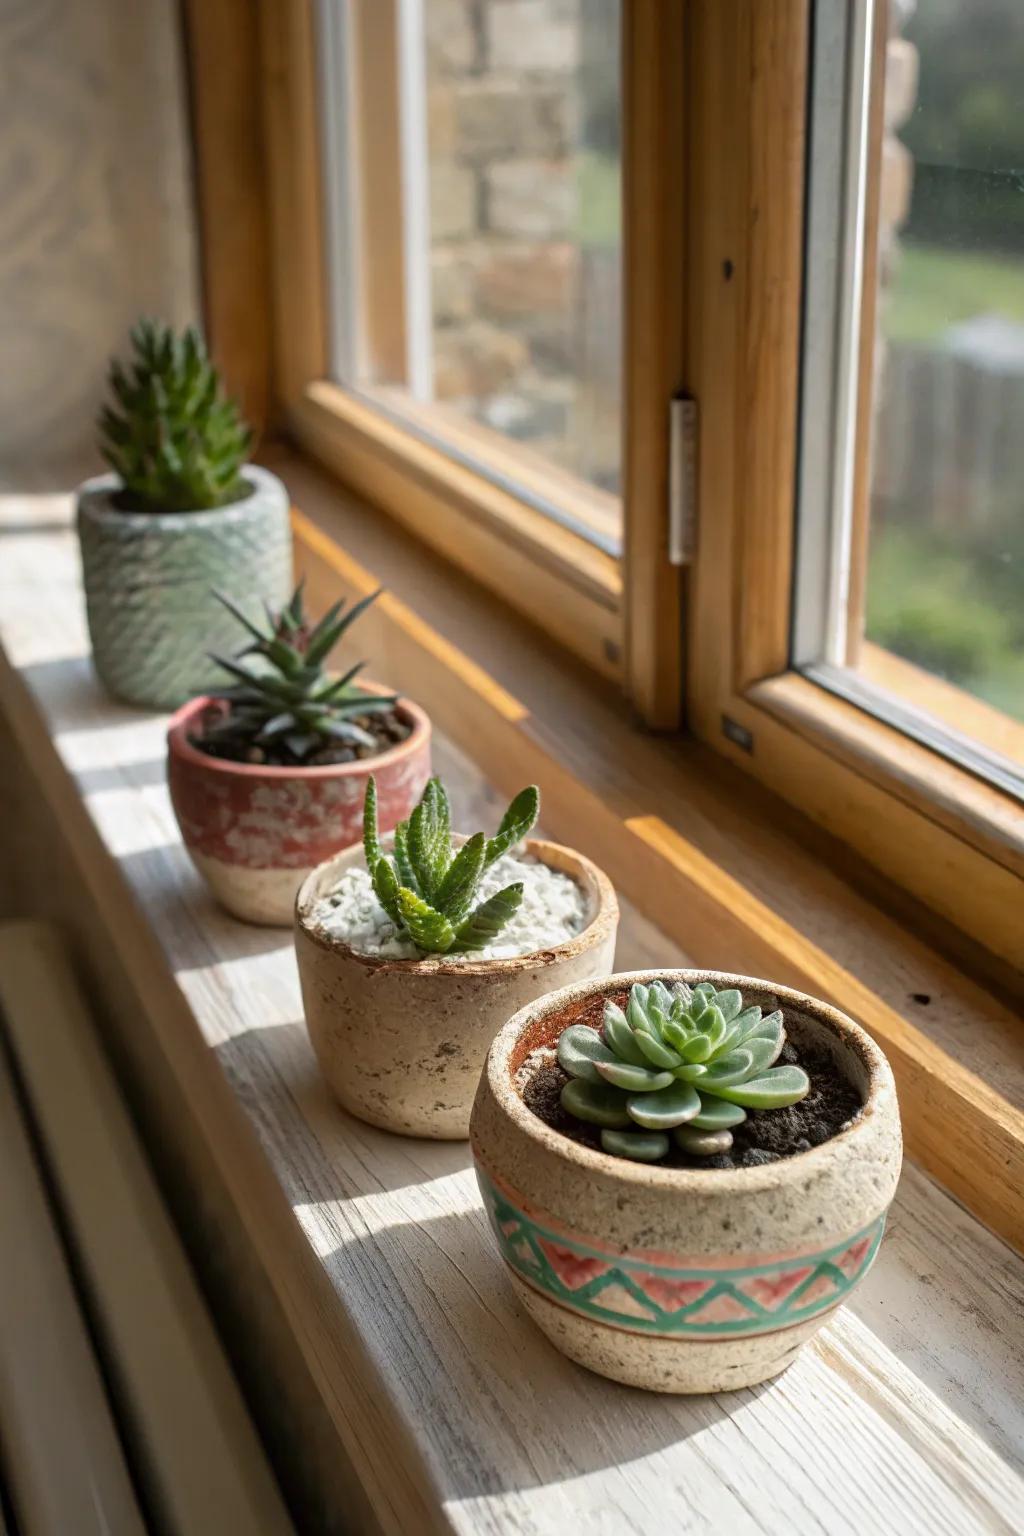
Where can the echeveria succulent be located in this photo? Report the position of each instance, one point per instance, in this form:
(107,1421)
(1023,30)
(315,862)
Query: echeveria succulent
(680,1062)
(427,888)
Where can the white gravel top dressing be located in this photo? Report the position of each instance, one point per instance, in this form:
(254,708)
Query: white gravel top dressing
(552,910)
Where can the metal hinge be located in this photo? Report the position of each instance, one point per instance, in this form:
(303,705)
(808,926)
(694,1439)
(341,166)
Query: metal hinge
(682,480)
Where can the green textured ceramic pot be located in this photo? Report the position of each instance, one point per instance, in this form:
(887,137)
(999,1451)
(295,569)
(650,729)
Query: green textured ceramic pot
(149,580)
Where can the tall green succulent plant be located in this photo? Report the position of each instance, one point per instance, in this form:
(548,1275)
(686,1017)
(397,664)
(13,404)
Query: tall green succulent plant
(427,889)
(680,1061)
(176,442)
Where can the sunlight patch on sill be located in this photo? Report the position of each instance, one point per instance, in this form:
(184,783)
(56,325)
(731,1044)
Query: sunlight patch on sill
(122,744)
(329,1224)
(116,814)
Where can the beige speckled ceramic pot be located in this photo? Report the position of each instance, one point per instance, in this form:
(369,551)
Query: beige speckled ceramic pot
(684,1280)
(402,1043)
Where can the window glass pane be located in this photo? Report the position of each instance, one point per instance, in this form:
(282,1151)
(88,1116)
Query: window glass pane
(911,557)
(475,239)
(945,587)
(525,223)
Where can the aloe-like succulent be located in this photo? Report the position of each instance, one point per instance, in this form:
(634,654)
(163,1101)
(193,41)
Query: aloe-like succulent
(680,1062)
(286,698)
(428,889)
(177,443)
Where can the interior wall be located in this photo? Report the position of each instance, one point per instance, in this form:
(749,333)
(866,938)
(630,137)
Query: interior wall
(96,212)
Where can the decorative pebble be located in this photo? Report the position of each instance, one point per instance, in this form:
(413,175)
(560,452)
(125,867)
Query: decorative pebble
(540,1056)
(703,1143)
(552,910)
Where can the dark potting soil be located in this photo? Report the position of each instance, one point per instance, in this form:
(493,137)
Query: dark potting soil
(387,730)
(765,1136)
(131,501)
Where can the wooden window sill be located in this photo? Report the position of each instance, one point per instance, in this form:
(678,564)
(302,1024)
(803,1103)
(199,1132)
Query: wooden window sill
(994,729)
(391,1369)
(955,799)
(561,581)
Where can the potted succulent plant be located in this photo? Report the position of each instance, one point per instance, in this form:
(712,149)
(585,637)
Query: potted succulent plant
(268,772)
(411,961)
(182,512)
(685,1171)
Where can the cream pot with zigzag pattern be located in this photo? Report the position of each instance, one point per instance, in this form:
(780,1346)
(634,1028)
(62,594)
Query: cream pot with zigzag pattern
(684,1278)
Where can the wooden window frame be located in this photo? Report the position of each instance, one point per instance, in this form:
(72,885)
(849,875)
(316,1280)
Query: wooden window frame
(713,168)
(942,834)
(621,616)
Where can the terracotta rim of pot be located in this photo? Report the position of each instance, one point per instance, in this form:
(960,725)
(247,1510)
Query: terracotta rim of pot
(180,746)
(594,882)
(880,1085)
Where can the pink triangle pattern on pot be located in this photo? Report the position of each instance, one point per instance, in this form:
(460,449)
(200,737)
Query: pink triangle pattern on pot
(718,1299)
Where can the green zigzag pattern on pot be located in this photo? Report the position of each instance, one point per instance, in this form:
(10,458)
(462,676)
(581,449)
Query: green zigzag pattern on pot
(709,1302)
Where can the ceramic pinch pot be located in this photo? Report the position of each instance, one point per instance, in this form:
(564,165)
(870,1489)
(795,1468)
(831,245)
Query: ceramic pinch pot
(402,1043)
(149,580)
(254,831)
(679,1279)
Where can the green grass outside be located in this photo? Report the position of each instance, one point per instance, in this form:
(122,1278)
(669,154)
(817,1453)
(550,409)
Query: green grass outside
(599,200)
(949,608)
(934,289)
(952,602)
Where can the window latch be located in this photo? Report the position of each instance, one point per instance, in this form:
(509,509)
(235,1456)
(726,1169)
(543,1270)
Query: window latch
(682,480)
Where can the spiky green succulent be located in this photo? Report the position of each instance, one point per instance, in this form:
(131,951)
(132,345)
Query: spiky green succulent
(287,698)
(427,888)
(683,1062)
(177,443)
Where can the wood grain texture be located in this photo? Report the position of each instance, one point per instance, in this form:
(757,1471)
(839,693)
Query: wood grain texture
(95,210)
(715,249)
(223,58)
(586,506)
(453,1412)
(378,232)
(194,1451)
(890,760)
(288,91)
(994,729)
(566,586)
(64,1465)
(228,1206)
(770,276)
(654,219)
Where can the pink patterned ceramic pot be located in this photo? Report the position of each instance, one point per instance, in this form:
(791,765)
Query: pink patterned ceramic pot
(675,1279)
(254,833)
